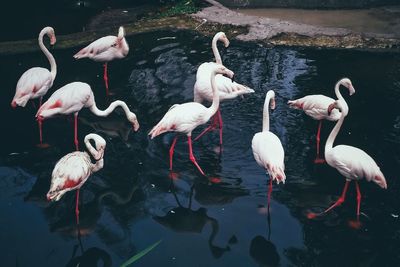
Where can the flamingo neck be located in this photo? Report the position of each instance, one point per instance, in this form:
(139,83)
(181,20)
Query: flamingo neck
(215,103)
(265,124)
(337,91)
(217,56)
(53,66)
(335,130)
(113,105)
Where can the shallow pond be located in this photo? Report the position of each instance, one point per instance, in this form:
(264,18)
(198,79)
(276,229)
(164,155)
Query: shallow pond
(133,202)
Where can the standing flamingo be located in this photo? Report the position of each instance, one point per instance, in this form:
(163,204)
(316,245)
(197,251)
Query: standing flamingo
(106,49)
(184,118)
(316,107)
(351,162)
(267,148)
(227,89)
(71,98)
(35,82)
(72,170)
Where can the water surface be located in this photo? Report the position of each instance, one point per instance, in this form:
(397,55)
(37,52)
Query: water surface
(132,202)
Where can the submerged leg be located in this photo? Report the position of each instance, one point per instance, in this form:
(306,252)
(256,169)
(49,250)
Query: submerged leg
(171,152)
(191,156)
(358,199)
(318,159)
(77,207)
(40,123)
(76,132)
(269,193)
(220,123)
(105,76)
(211,127)
(337,203)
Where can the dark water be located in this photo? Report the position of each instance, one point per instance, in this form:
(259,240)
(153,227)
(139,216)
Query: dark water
(132,202)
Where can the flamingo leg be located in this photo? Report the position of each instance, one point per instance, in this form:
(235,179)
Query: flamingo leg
(77,207)
(358,199)
(269,193)
(220,124)
(341,198)
(171,152)
(191,156)
(40,122)
(211,127)
(76,132)
(33,104)
(318,159)
(105,76)
(40,101)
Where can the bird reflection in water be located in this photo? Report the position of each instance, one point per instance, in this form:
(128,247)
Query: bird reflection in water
(181,219)
(89,258)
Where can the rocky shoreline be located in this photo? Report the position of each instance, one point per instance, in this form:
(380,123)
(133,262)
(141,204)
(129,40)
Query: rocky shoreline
(267,31)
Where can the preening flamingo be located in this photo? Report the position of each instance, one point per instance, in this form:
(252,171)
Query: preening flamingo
(35,82)
(267,148)
(227,89)
(316,107)
(105,50)
(71,98)
(184,118)
(353,163)
(72,170)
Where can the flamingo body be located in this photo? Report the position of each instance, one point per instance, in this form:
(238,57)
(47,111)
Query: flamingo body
(316,106)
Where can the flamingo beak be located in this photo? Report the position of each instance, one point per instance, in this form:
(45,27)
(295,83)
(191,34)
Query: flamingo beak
(13,104)
(135,126)
(352,90)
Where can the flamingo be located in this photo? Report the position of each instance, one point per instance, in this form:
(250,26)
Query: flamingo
(35,82)
(72,170)
(71,98)
(184,118)
(316,107)
(351,162)
(227,89)
(105,50)
(267,148)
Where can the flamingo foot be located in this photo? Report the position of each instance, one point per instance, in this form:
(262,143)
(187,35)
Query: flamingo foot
(355,224)
(43,145)
(312,215)
(319,161)
(214,180)
(173,175)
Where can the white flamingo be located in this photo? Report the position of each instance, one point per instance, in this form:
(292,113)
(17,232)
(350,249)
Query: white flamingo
(351,162)
(267,148)
(316,107)
(72,170)
(105,50)
(184,118)
(227,89)
(35,82)
(71,98)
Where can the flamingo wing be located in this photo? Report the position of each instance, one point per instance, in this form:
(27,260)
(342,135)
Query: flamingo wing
(269,154)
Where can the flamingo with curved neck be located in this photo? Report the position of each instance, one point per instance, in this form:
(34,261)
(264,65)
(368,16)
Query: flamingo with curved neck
(316,107)
(35,82)
(71,98)
(267,148)
(184,118)
(353,163)
(72,170)
(227,89)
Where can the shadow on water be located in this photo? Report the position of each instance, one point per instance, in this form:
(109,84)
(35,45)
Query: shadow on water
(130,203)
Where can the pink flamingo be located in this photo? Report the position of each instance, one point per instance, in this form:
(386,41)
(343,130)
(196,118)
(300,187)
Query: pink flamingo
(227,89)
(267,148)
(72,170)
(184,118)
(106,49)
(35,82)
(71,98)
(351,162)
(316,107)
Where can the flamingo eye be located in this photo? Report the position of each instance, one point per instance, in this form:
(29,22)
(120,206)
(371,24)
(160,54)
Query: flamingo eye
(114,45)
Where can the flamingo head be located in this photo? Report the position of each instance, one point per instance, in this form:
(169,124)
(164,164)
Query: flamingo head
(347,83)
(100,144)
(340,105)
(133,119)
(13,104)
(220,69)
(380,180)
(271,95)
(222,37)
(51,34)
(56,190)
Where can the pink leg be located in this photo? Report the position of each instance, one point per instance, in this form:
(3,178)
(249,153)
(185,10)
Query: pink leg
(76,132)
(171,152)
(269,192)
(358,199)
(40,122)
(106,78)
(318,159)
(191,156)
(337,203)
(77,207)
(211,127)
(220,123)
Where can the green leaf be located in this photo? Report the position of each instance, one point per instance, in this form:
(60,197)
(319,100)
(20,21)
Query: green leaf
(140,254)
